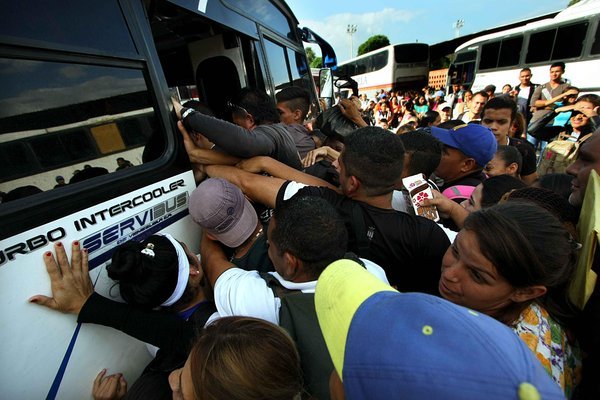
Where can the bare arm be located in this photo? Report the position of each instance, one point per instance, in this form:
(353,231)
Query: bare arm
(214,261)
(318,154)
(199,155)
(258,188)
(351,112)
(545,103)
(280,170)
(448,208)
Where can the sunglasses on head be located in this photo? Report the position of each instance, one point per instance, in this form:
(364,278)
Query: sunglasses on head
(235,108)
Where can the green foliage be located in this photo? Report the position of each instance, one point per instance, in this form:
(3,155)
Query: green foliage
(317,62)
(310,54)
(373,43)
(572,2)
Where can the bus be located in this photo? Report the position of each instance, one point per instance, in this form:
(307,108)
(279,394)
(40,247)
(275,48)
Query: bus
(85,83)
(393,67)
(572,36)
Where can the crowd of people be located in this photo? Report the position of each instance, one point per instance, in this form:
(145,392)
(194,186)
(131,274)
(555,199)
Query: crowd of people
(319,278)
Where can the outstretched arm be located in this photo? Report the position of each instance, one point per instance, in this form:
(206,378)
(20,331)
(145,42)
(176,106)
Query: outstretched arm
(199,155)
(278,169)
(258,188)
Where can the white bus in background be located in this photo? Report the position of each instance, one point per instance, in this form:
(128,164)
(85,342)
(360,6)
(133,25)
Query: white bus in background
(394,67)
(572,36)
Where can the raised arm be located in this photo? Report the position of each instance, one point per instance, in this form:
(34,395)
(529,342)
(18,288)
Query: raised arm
(199,155)
(280,170)
(258,188)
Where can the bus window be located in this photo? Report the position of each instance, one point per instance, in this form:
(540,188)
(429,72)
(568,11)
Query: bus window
(489,55)
(411,53)
(540,46)
(277,65)
(379,61)
(569,41)
(596,45)
(100,24)
(58,117)
(265,13)
(510,52)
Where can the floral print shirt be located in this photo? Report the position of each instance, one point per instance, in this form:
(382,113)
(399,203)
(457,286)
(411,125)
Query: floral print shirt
(548,340)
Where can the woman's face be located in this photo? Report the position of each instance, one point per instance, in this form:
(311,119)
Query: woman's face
(468,97)
(471,280)
(181,384)
(474,202)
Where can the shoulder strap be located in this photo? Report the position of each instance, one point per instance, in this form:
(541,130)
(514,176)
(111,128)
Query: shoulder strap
(278,289)
(586,137)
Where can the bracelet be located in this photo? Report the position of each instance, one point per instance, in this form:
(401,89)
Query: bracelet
(186,113)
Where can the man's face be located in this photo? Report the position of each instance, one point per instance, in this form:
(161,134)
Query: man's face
(286,115)
(341,169)
(477,104)
(445,114)
(588,159)
(498,120)
(556,73)
(525,78)
(450,164)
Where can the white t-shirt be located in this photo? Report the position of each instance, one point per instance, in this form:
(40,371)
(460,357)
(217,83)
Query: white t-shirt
(524,92)
(245,293)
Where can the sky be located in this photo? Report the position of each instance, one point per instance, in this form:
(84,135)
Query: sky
(426,21)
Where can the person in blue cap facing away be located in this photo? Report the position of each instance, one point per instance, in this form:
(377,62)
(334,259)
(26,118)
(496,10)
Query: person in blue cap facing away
(385,344)
(467,150)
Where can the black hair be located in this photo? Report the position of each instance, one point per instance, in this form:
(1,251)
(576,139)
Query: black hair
(558,64)
(528,246)
(375,157)
(501,103)
(525,69)
(20,192)
(559,206)
(451,123)
(495,187)
(296,97)
(558,183)
(590,98)
(144,280)
(510,154)
(311,229)
(482,93)
(425,152)
(428,118)
(257,103)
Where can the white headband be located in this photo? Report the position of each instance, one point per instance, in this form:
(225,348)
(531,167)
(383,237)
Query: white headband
(183,272)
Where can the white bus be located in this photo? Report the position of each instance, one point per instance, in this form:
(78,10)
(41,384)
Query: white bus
(394,67)
(572,36)
(85,82)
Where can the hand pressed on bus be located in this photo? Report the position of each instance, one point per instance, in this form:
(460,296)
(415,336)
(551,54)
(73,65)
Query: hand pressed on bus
(70,282)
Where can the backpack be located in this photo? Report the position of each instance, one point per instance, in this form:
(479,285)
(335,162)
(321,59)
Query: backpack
(559,154)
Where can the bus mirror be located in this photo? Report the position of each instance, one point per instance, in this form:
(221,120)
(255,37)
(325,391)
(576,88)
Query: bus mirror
(326,85)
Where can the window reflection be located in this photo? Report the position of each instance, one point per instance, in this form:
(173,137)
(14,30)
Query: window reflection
(60,119)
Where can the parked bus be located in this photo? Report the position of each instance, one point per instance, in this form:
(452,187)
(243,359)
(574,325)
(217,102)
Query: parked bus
(394,67)
(86,82)
(572,36)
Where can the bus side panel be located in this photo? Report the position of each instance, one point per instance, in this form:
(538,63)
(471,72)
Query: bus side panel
(35,342)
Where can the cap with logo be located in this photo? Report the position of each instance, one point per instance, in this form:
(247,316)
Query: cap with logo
(475,141)
(385,344)
(221,209)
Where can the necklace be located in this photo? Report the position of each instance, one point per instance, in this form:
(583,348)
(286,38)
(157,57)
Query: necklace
(246,244)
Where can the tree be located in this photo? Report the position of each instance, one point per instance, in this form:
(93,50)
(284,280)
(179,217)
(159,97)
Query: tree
(310,54)
(373,43)
(317,62)
(572,2)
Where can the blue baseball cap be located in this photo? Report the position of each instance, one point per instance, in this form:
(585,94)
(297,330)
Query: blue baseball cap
(385,344)
(474,140)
